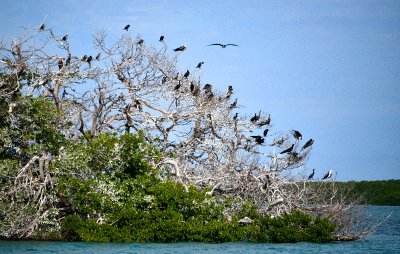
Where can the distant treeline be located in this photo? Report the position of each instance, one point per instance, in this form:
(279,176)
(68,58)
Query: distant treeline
(385,192)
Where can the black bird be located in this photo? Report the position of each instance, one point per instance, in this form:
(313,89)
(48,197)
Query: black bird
(126,27)
(140,42)
(207,88)
(68,61)
(186,75)
(42,27)
(181,48)
(297,135)
(98,56)
(64,38)
(60,63)
(84,58)
(265,133)
(327,175)
(162,38)
(290,149)
(199,65)
(177,86)
(223,45)
(194,89)
(309,143)
(234,104)
(312,174)
(89,60)
(235,116)
(259,140)
(256,117)
(229,92)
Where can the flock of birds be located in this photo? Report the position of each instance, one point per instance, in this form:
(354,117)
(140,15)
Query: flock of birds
(208,90)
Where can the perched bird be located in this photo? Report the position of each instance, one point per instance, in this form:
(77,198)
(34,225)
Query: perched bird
(259,140)
(194,89)
(60,63)
(140,42)
(177,86)
(297,135)
(181,48)
(89,60)
(223,45)
(162,38)
(234,104)
(229,92)
(235,116)
(42,27)
(84,58)
(207,88)
(256,117)
(327,175)
(290,149)
(312,174)
(187,73)
(307,144)
(265,133)
(126,27)
(64,38)
(199,65)
(98,56)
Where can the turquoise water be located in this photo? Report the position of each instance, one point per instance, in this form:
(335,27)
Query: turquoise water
(386,239)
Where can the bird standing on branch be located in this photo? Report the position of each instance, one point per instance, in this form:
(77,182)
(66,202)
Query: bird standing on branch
(181,48)
(309,143)
(312,174)
(327,175)
(126,27)
(199,65)
(223,45)
(187,73)
(41,28)
(259,140)
(64,38)
(297,135)
(229,92)
(162,38)
(290,149)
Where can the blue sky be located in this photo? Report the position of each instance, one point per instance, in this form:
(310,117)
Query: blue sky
(330,69)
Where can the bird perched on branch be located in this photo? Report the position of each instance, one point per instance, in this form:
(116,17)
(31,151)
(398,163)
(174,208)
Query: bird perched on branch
(297,135)
(265,133)
(290,149)
(259,140)
(235,116)
(256,117)
(60,63)
(207,88)
(309,143)
(327,175)
(98,56)
(140,42)
(162,38)
(126,27)
(41,28)
(181,48)
(223,45)
(89,60)
(64,38)
(234,104)
(312,174)
(187,73)
(229,92)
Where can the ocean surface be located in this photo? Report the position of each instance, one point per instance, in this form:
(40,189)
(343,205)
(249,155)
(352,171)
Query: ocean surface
(385,239)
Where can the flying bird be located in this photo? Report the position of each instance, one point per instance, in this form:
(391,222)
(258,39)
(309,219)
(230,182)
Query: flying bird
(42,27)
(259,140)
(265,133)
(162,38)
(187,73)
(181,48)
(64,38)
(312,174)
(290,149)
(223,45)
(199,65)
(309,143)
(126,27)
(297,135)
(327,175)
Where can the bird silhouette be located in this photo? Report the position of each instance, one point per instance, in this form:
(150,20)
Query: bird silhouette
(199,65)
(84,58)
(140,42)
(177,86)
(207,88)
(181,48)
(223,45)
(41,28)
(64,38)
(290,149)
(89,60)
(297,135)
(327,175)
(162,38)
(309,143)
(256,117)
(235,116)
(234,104)
(187,73)
(312,174)
(259,140)
(126,27)
(98,56)
(229,92)
(265,133)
